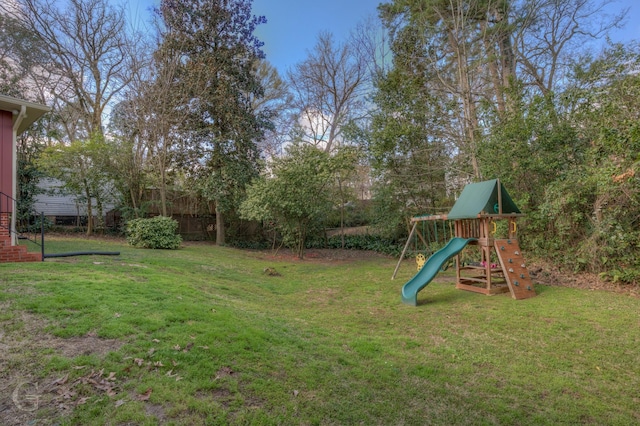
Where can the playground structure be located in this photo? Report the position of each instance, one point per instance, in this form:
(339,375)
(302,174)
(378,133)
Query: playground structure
(485,217)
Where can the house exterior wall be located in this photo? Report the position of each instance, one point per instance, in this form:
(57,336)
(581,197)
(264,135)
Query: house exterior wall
(6,156)
(58,206)
(52,203)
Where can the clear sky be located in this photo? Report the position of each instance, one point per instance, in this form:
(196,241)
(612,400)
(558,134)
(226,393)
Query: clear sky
(631,31)
(293,26)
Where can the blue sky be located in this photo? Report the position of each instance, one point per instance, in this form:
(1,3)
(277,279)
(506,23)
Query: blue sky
(293,25)
(631,31)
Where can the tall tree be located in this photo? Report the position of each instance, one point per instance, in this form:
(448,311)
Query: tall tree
(154,104)
(461,44)
(551,34)
(217,49)
(89,50)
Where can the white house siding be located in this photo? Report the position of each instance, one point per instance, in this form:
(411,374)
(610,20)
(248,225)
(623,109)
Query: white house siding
(55,204)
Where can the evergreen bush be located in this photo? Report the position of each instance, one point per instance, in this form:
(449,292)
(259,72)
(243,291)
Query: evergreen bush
(159,232)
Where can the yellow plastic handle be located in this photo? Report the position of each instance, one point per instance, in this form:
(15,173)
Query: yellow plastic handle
(515,226)
(495,228)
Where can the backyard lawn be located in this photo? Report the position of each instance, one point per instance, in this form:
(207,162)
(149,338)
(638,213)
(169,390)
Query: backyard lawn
(208,335)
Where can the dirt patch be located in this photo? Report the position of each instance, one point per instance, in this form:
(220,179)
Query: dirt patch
(87,345)
(547,274)
(25,349)
(324,255)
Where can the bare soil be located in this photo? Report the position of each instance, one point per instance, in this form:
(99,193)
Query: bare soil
(326,255)
(25,349)
(546,273)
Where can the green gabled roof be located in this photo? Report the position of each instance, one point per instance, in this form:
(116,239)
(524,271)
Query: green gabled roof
(482,198)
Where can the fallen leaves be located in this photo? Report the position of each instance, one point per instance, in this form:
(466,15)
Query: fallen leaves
(66,390)
(146,395)
(172,375)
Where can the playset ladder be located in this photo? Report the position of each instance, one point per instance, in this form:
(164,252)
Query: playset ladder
(515,269)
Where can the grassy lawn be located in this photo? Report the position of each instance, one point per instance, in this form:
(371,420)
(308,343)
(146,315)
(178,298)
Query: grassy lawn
(203,335)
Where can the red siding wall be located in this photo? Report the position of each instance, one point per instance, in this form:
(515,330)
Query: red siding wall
(6,154)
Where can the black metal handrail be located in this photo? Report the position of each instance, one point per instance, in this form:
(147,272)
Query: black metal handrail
(9,205)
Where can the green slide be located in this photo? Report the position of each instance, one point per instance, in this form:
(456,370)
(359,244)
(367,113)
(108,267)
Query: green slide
(430,269)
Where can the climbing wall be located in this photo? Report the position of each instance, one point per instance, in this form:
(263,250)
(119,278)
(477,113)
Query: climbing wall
(515,269)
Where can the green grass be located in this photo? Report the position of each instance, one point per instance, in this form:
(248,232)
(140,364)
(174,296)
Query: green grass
(324,343)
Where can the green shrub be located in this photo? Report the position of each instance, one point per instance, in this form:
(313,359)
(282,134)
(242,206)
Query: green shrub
(157,233)
(369,242)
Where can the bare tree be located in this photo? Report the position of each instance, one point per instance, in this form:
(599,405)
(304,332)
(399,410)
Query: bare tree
(553,33)
(327,91)
(87,61)
(369,39)
(90,51)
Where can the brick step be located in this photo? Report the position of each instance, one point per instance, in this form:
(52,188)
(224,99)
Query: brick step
(18,254)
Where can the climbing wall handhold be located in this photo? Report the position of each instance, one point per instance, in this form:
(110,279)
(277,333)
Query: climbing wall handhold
(516,283)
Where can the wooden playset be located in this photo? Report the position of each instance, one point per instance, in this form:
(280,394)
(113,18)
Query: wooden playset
(484,217)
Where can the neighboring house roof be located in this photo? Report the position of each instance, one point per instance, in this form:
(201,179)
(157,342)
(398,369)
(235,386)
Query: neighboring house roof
(33,111)
(488,197)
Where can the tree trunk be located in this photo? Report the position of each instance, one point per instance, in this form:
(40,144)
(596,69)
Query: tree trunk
(100,212)
(163,192)
(498,89)
(470,117)
(133,203)
(342,203)
(302,234)
(220,233)
(89,210)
